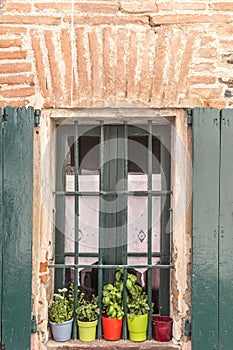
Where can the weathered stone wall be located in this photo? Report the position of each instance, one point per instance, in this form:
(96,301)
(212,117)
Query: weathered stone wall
(99,53)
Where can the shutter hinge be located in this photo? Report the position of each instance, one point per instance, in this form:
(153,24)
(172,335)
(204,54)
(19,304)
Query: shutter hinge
(33,325)
(37,114)
(187,328)
(189,116)
(2,347)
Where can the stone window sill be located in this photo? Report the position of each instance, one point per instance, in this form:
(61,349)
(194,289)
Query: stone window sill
(115,345)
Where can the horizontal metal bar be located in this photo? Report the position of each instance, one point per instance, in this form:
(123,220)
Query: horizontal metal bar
(82,255)
(63,266)
(112,193)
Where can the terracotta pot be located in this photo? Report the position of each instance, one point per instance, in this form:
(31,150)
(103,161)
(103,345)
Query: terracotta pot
(111,328)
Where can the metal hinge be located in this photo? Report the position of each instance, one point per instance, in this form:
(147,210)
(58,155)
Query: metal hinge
(33,325)
(37,114)
(187,328)
(189,116)
(2,347)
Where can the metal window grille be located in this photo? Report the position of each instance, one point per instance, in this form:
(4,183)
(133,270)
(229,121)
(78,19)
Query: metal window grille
(110,148)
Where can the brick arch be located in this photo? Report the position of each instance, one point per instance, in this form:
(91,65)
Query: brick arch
(100,66)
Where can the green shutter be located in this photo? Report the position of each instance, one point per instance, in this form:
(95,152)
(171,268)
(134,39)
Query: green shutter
(17,213)
(206,155)
(1,227)
(226,232)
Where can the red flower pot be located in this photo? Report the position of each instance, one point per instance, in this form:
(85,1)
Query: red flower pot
(162,328)
(111,328)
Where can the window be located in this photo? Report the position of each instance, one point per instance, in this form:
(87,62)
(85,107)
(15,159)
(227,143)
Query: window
(112,207)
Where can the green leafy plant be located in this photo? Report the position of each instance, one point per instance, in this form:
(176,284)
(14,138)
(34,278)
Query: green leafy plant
(112,300)
(62,307)
(137,299)
(87,310)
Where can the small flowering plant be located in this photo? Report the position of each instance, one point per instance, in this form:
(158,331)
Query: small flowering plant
(62,307)
(87,310)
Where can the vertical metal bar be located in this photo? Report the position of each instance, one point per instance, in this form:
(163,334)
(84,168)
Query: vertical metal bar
(101,227)
(149,224)
(76,223)
(165,222)
(60,209)
(125,233)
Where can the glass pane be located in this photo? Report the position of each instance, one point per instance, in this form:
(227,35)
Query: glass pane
(137,228)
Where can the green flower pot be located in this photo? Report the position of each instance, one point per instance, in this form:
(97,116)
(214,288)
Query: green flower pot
(87,330)
(137,327)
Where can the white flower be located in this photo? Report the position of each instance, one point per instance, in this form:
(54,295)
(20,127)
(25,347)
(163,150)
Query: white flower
(61,297)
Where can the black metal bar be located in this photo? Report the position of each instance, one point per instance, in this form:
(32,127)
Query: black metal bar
(101,267)
(149,225)
(76,166)
(101,224)
(112,193)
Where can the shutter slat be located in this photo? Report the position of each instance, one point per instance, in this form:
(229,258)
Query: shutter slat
(17,261)
(206,153)
(226,231)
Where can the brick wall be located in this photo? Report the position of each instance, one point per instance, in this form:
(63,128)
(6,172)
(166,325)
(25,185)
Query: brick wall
(99,53)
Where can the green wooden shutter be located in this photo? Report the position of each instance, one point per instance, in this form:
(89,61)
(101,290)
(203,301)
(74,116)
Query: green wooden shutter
(17,213)
(1,227)
(206,155)
(226,232)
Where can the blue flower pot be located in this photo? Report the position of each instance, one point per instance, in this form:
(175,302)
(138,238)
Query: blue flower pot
(61,331)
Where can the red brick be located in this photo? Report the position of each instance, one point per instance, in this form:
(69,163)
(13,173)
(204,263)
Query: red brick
(15,68)
(200,67)
(202,80)
(17,6)
(222,6)
(170,89)
(158,76)
(207,40)
(67,57)
(138,6)
(14,79)
(40,68)
(44,266)
(208,52)
(6,43)
(109,70)
(191,6)
(96,69)
(13,103)
(121,64)
(12,30)
(83,83)
(12,55)
(54,68)
(186,61)
(94,7)
(146,78)
(20,92)
(110,20)
(133,58)
(59,7)
(189,18)
(213,93)
(31,20)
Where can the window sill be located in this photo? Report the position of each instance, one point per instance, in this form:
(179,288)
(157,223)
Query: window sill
(115,345)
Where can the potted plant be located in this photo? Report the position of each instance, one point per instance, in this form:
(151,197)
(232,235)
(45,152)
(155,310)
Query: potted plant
(87,314)
(137,309)
(113,313)
(61,315)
